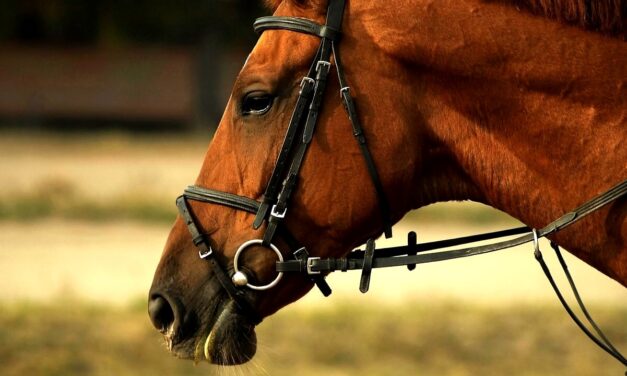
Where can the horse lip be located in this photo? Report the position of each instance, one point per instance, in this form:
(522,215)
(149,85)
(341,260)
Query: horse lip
(208,342)
(230,322)
(205,329)
(187,340)
(182,339)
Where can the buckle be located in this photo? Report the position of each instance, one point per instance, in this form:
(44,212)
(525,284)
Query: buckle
(325,64)
(307,80)
(276,214)
(205,254)
(309,264)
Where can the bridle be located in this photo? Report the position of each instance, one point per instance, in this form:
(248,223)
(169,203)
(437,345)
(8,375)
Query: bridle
(284,179)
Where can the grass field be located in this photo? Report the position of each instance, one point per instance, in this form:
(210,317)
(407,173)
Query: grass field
(419,338)
(83,219)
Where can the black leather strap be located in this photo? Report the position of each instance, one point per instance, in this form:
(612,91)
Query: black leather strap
(358,133)
(296,121)
(197,193)
(311,95)
(412,241)
(582,306)
(600,341)
(317,279)
(391,256)
(238,295)
(297,24)
(290,182)
(366,271)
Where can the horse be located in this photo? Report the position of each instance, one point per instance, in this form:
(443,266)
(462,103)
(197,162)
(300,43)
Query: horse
(519,105)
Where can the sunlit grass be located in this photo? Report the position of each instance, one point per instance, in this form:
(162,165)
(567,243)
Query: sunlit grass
(420,338)
(61,198)
(58,198)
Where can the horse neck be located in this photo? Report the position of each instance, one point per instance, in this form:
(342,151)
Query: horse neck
(531,111)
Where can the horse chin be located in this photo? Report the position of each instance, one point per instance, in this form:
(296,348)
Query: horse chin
(231,341)
(228,339)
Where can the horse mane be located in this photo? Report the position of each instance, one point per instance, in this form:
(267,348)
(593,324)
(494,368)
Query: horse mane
(605,16)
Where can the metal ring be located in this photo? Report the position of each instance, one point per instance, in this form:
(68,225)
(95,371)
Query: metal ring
(536,241)
(272,247)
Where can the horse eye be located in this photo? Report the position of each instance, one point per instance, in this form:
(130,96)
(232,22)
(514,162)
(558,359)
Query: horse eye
(256,103)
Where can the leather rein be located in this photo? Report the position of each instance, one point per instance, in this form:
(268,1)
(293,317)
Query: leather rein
(284,180)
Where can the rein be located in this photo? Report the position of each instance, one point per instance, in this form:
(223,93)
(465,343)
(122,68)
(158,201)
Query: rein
(272,209)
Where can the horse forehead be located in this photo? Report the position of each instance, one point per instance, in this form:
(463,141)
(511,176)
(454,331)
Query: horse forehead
(280,47)
(277,50)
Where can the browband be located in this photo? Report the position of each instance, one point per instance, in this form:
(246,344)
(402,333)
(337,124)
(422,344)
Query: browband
(196,193)
(301,25)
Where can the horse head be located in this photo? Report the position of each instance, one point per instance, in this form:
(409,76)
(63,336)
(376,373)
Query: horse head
(187,301)
(423,139)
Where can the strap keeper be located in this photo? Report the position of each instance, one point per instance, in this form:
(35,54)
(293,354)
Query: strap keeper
(261,213)
(364,284)
(198,239)
(411,245)
(329,33)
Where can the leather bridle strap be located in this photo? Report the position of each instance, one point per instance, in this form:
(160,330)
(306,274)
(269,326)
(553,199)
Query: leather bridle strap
(246,204)
(600,339)
(329,33)
(406,255)
(358,133)
(206,253)
(320,67)
(297,24)
(382,259)
(231,200)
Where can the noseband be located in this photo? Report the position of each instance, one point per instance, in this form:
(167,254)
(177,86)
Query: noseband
(284,179)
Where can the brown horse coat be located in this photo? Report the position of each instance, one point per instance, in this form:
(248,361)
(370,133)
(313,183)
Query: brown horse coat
(460,99)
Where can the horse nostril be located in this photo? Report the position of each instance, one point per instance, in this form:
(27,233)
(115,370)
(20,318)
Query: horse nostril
(161,313)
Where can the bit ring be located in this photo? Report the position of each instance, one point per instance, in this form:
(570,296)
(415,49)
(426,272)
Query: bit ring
(258,242)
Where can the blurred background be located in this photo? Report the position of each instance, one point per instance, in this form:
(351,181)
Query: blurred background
(106,109)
